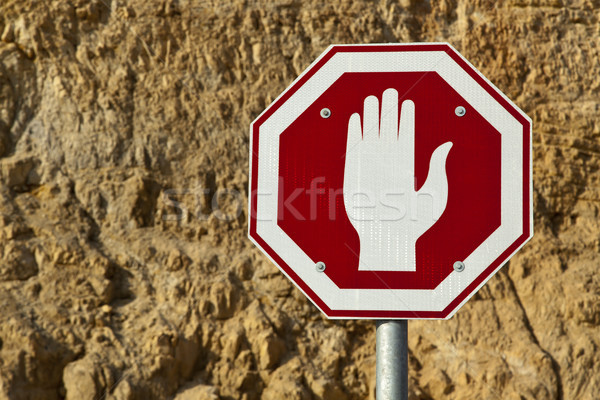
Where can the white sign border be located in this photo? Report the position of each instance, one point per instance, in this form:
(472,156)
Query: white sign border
(417,300)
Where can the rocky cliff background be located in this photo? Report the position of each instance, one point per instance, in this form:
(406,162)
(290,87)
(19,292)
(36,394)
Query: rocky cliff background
(121,122)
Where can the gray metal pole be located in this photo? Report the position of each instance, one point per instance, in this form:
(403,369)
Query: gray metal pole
(392,360)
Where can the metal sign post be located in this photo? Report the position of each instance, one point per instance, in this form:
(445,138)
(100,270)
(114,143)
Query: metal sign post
(392,360)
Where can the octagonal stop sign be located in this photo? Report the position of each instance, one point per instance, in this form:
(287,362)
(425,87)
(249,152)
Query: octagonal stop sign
(390,181)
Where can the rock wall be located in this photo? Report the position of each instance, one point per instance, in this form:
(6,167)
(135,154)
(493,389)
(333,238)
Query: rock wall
(125,271)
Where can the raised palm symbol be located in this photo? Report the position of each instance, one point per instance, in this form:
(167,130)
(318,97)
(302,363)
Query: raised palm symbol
(387,212)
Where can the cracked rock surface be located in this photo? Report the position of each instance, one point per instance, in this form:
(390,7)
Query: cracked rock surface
(125,271)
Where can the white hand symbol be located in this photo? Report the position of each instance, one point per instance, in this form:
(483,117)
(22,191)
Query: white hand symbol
(379,185)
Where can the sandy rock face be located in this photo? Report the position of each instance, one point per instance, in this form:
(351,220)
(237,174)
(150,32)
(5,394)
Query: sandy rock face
(125,271)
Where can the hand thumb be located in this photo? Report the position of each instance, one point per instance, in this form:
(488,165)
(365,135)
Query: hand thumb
(436,184)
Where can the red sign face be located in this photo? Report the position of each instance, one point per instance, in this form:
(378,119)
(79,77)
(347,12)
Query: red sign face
(390,181)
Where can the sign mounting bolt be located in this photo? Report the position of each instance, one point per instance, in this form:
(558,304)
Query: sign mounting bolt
(460,111)
(326,113)
(320,266)
(459,266)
